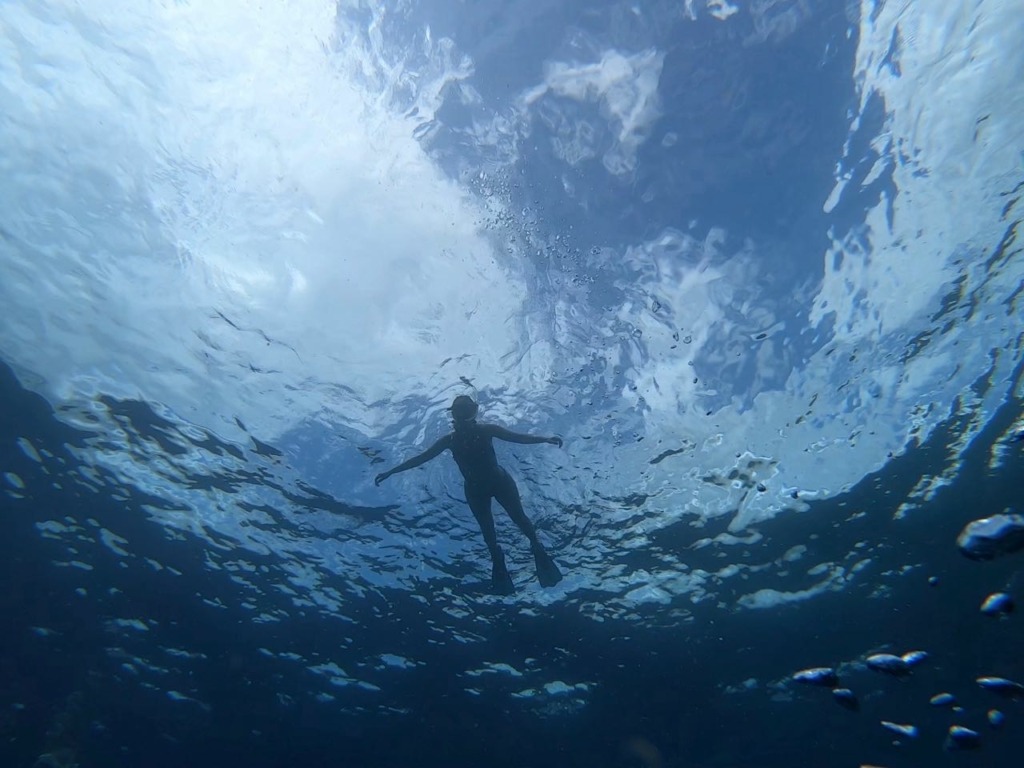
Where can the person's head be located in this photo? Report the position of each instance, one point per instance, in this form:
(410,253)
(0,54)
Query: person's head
(463,409)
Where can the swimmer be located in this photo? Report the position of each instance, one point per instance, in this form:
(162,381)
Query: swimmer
(485,479)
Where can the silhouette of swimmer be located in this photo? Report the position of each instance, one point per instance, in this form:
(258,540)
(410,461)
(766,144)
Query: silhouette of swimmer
(470,444)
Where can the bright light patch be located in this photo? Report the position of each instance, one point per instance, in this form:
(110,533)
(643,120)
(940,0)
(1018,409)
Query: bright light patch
(234,225)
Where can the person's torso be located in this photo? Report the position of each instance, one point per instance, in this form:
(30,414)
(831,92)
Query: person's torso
(474,453)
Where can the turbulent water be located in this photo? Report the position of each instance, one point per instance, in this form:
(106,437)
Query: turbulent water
(756,262)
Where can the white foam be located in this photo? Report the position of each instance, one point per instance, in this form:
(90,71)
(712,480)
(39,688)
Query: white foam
(626,88)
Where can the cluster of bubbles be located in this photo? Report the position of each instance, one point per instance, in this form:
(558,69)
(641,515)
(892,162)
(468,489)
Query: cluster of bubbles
(983,539)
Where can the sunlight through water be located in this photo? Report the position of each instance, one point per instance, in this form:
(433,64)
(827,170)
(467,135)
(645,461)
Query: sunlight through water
(254,254)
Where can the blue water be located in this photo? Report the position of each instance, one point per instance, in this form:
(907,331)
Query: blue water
(755,262)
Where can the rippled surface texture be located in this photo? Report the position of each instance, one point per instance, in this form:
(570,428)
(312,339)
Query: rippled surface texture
(756,262)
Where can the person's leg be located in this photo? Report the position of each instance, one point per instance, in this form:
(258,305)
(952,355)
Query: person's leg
(507,494)
(480,504)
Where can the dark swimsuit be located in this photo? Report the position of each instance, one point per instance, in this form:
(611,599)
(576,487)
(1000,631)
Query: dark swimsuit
(485,478)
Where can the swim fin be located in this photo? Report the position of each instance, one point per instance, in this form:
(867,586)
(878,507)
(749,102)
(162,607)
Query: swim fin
(501,582)
(547,572)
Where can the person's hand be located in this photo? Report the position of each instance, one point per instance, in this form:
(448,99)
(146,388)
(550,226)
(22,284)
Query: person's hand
(555,441)
(381,478)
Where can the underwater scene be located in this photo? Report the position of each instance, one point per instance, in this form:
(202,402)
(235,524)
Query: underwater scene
(513,383)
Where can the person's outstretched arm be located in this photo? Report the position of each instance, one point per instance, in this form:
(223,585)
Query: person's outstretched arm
(516,437)
(415,461)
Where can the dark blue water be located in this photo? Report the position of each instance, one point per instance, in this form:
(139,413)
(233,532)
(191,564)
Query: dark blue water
(100,691)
